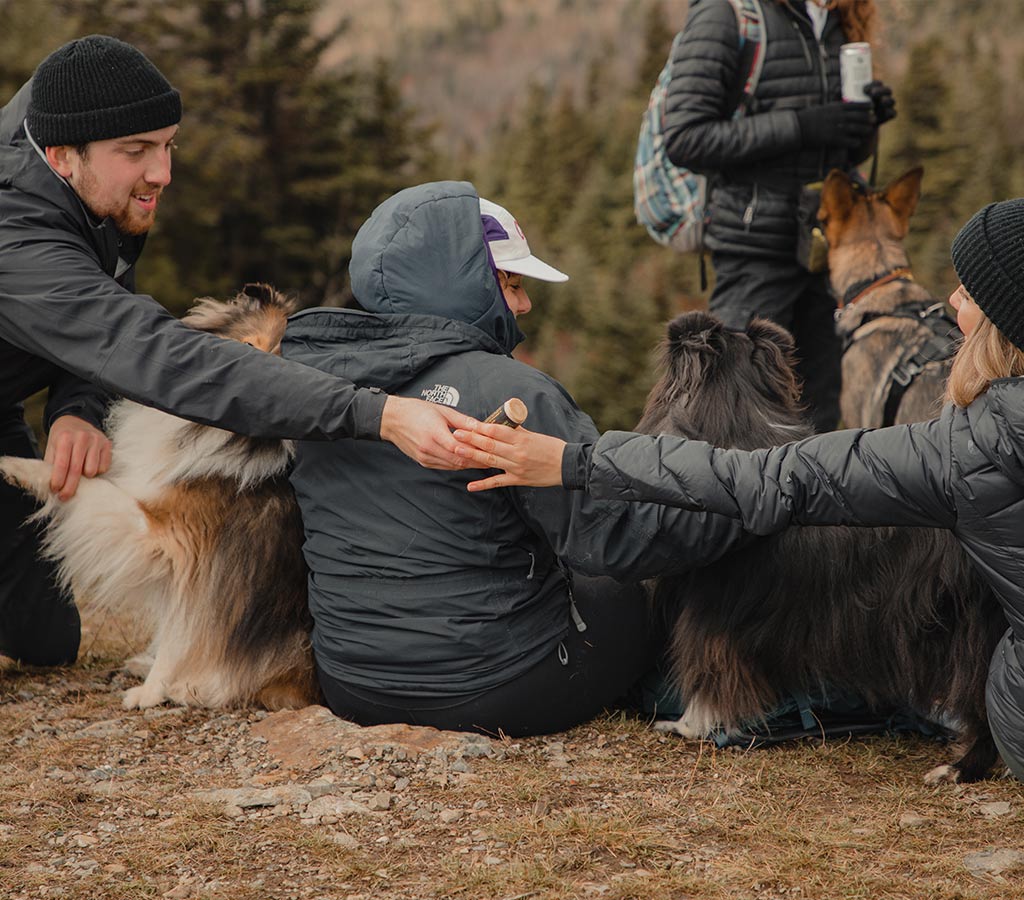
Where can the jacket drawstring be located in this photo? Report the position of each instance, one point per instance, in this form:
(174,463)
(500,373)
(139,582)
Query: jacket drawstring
(574,613)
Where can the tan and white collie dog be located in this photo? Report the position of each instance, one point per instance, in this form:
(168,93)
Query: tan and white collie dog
(195,531)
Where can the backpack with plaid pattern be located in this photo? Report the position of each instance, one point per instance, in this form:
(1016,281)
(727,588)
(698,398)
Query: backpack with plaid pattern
(670,201)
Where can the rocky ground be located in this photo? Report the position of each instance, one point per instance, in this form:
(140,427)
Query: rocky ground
(99,802)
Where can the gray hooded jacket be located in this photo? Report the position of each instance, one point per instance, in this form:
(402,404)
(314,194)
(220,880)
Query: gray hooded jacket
(419,588)
(963,471)
(70,322)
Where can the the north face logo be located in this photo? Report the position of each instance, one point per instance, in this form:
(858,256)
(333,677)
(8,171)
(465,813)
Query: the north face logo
(444,394)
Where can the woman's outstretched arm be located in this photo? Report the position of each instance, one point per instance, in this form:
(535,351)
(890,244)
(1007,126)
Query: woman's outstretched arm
(892,476)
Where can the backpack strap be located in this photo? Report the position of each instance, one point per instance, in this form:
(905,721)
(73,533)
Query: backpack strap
(750,21)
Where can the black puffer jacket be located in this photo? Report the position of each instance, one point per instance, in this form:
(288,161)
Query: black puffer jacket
(417,587)
(963,471)
(70,322)
(756,163)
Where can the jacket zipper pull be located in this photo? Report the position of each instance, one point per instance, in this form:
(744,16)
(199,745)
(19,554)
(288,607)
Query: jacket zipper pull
(533,563)
(748,213)
(563,654)
(577,619)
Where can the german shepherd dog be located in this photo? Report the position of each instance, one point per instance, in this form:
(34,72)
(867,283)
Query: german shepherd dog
(194,530)
(897,615)
(898,339)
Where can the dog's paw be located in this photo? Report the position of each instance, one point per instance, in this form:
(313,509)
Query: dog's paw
(679,726)
(143,697)
(943,775)
(32,475)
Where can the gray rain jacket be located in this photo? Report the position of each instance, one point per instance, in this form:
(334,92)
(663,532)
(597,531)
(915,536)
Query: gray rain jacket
(70,322)
(417,587)
(963,471)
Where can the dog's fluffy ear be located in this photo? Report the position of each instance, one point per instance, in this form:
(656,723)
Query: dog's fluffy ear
(774,360)
(769,335)
(692,330)
(837,197)
(693,341)
(902,196)
(268,298)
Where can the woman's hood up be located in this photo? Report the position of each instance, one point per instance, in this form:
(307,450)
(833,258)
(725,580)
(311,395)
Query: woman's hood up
(422,252)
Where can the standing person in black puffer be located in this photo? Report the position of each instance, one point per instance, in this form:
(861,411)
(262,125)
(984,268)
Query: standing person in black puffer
(794,130)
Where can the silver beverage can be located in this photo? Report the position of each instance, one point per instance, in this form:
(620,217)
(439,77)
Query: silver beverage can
(855,70)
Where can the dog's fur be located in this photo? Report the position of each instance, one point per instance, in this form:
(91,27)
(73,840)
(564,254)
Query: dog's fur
(194,531)
(865,231)
(897,615)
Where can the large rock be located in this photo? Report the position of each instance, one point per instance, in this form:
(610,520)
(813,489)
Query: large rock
(308,738)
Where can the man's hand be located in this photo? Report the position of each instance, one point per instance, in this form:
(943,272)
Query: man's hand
(75,448)
(423,431)
(528,457)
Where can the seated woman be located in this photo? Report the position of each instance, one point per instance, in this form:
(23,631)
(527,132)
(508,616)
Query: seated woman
(433,606)
(963,471)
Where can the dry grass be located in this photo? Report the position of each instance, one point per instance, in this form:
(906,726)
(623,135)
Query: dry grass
(96,802)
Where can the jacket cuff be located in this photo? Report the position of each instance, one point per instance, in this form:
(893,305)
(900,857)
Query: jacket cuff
(576,466)
(93,413)
(368,409)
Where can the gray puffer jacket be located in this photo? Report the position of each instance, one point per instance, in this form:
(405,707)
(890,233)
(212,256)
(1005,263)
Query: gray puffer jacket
(419,588)
(70,322)
(963,471)
(756,163)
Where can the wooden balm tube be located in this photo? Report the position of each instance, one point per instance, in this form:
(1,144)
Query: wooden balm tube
(511,413)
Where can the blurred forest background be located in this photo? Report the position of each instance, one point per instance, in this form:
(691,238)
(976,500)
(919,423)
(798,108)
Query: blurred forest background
(302,115)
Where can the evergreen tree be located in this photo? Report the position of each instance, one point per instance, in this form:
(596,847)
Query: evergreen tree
(657,42)
(926,133)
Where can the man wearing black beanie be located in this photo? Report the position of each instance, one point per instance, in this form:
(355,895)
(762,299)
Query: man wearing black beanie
(85,154)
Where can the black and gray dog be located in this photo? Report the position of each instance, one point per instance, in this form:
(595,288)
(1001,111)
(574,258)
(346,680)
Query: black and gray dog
(895,615)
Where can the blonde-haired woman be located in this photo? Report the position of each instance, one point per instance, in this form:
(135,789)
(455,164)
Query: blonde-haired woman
(963,471)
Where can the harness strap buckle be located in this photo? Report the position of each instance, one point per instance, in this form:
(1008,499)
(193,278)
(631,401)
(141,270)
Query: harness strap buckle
(904,373)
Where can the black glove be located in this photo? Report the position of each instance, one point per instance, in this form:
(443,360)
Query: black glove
(884,102)
(836,124)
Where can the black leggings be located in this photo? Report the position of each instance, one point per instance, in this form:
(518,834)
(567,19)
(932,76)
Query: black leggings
(585,674)
(38,624)
(786,293)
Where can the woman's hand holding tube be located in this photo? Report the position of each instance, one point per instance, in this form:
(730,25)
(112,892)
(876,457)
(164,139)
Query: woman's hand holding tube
(528,458)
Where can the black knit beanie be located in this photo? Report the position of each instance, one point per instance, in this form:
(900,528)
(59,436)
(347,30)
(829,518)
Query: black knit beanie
(988,255)
(95,88)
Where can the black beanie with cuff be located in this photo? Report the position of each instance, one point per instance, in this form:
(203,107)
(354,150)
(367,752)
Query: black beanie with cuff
(988,256)
(95,88)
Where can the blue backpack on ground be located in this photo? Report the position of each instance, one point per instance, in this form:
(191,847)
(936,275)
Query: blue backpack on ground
(670,202)
(830,712)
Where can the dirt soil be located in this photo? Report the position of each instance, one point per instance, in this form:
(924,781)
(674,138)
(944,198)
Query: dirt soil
(99,802)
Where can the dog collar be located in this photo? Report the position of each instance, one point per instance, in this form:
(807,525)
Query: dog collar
(860,288)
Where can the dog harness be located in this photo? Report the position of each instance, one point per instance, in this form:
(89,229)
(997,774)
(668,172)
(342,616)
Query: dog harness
(944,336)
(941,343)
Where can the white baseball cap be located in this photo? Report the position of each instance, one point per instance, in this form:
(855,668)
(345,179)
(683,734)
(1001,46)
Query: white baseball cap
(508,245)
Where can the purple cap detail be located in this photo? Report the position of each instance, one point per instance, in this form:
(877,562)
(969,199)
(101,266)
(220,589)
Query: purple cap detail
(493,230)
